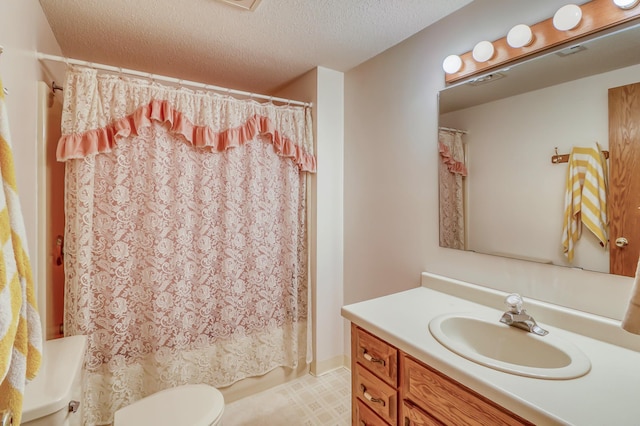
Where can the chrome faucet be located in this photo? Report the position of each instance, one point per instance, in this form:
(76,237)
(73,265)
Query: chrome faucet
(518,317)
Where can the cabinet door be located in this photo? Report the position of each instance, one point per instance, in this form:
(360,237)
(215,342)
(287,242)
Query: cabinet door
(364,416)
(377,356)
(376,394)
(414,416)
(449,401)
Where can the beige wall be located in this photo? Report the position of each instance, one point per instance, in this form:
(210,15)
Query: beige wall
(325,88)
(391,199)
(329,210)
(23,32)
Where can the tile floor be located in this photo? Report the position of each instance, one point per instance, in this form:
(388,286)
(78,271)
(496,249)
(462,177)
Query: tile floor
(307,401)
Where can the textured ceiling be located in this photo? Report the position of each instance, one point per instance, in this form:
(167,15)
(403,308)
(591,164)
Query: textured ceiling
(216,43)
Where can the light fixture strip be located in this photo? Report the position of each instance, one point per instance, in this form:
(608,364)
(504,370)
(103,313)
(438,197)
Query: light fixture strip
(597,15)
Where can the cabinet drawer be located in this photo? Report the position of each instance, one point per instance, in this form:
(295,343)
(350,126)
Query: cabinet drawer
(365,416)
(377,356)
(376,394)
(450,402)
(414,416)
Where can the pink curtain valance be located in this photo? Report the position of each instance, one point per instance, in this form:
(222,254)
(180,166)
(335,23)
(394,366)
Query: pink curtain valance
(453,165)
(79,145)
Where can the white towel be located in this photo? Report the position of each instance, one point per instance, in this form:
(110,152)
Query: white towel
(20,332)
(631,321)
(585,200)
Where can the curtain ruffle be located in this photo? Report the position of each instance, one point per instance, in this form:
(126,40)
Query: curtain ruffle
(453,165)
(103,139)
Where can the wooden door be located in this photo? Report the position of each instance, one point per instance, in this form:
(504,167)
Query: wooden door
(54,221)
(624,178)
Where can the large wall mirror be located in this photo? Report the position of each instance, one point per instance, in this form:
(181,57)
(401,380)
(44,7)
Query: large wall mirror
(512,121)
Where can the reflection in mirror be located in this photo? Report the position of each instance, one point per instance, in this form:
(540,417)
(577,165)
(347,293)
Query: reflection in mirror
(511,201)
(451,172)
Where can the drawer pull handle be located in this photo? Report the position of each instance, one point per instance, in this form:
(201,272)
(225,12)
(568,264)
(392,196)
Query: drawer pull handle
(369,358)
(370,397)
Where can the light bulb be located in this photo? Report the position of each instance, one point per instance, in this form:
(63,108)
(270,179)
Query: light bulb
(483,51)
(452,64)
(626,4)
(567,17)
(519,36)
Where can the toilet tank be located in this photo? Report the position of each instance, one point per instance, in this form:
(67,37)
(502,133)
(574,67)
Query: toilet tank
(58,383)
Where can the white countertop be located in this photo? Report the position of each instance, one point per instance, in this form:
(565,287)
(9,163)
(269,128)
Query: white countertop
(608,395)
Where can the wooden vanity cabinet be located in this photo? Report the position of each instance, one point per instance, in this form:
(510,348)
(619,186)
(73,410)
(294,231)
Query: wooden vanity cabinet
(414,416)
(392,388)
(374,380)
(448,401)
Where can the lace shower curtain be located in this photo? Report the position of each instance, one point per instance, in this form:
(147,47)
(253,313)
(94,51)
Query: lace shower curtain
(451,170)
(185,248)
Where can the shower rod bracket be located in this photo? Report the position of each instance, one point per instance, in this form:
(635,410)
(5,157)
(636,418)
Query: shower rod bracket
(55,87)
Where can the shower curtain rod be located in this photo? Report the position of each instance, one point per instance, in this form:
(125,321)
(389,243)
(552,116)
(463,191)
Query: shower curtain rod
(47,57)
(449,129)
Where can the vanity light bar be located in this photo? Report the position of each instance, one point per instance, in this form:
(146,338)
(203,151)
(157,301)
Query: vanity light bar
(569,23)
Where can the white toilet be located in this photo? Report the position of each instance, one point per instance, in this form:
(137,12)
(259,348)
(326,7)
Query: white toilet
(52,398)
(188,405)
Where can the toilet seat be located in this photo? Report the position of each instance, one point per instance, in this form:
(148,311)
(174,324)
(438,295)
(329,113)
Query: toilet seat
(188,405)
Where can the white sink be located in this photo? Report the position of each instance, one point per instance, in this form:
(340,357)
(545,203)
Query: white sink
(484,340)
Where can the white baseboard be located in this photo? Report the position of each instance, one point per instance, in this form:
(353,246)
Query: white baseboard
(318,368)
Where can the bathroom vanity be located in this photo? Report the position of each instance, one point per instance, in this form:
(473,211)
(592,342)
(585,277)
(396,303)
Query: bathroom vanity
(391,385)
(402,375)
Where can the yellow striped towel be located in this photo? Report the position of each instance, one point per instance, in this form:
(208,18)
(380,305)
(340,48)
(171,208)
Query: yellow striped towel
(20,332)
(585,197)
